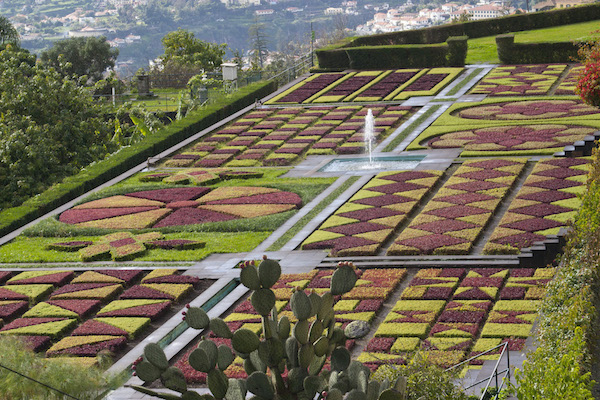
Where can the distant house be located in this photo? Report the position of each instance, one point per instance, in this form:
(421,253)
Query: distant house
(334,11)
(551,4)
(294,9)
(88,32)
(264,12)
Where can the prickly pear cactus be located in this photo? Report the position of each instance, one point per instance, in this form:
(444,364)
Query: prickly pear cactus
(301,349)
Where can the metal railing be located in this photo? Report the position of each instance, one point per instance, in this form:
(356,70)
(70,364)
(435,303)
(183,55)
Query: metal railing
(494,375)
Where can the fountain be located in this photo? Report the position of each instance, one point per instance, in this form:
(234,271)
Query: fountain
(369,134)
(371,164)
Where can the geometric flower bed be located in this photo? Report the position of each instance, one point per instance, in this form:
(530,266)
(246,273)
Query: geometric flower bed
(567,85)
(81,305)
(179,206)
(281,137)
(370,217)
(368,86)
(456,216)
(373,287)
(545,203)
(528,109)
(519,80)
(460,313)
(550,137)
(198,176)
(121,246)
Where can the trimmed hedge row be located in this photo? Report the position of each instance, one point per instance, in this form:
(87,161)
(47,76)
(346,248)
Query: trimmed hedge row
(480,28)
(510,52)
(128,157)
(451,53)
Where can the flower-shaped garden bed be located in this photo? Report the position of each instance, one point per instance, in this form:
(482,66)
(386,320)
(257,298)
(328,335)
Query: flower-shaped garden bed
(472,318)
(545,203)
(513,80)
(180,206)
(548,138)
(456,216)
(370,217)
(362,303)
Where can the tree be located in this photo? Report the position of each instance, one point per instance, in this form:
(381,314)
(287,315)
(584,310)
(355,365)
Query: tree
(8,33)
(89,56)
(49,127)
(183,48)
(258,43)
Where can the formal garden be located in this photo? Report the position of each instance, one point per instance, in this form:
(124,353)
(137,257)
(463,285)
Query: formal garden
(158,277)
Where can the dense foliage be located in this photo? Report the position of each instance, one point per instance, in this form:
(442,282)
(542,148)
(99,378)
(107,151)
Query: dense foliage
(183,48)
(569,315)
(79,56)
(68,377)
(588,86)
(49,127)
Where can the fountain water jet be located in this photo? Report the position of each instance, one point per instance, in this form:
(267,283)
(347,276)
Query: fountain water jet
(369,134)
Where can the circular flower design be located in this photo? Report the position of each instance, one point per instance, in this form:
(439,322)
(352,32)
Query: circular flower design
(180,206)
(520,110)
(511,138)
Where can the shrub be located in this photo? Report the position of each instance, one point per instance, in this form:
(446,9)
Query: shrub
(69,377)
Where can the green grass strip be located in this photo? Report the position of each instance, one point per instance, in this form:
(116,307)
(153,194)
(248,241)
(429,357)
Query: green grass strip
(286,237)
(462,84)
(401,136)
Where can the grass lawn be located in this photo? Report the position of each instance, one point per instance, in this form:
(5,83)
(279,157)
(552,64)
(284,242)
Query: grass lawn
(30,250)
(483,50)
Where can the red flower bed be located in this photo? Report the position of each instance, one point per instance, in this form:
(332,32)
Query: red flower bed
(428,243)
(23,322)
(193,280)
(473,294)
(368,305)
(471,329)
(388,84)
(76,287)
(310,88)
(190,216)
(6,294)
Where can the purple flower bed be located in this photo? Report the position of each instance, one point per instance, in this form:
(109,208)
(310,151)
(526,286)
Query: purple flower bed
(431,242)
(554,184)
(438,293)
(23,322)
(170,195)
(445,226)
(83,308)
(6,294)
(349,86)
(427,345)
(388,84)
(179,244)
(143,292)
(193,280)
(92,350)
(93,327)
(191,216)
(440,327)
(473,317)
(357,228)
(425,82)
(380,344)
(127,275)
(541,210)
(482,282)
(13,310)
(5,275)
(513,293)
(473,294)
(76,287)
(452,273)
(152,311)
(56,279)
(310,88)
(36,343)
(76,216)
(368,305)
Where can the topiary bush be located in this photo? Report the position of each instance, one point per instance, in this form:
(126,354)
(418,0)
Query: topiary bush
(300,351)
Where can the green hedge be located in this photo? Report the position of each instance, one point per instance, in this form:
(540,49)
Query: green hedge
(129,157)
(481,28)
(510,52)
(451,53)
